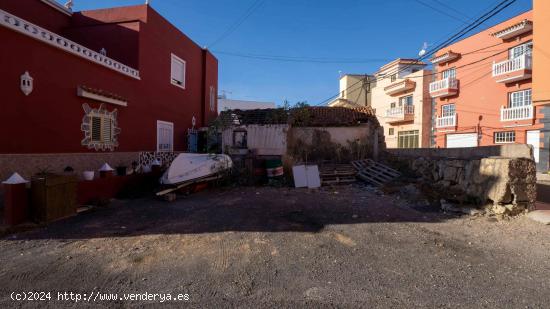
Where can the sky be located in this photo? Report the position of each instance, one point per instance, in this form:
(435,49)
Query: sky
(339,36)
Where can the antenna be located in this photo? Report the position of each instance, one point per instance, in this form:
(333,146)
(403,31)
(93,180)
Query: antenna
(423,51)
(224,94)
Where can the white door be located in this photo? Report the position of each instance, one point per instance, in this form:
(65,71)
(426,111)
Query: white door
(461,140)
(533,138)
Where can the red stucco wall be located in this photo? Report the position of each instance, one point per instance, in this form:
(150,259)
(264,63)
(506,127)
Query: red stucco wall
(48,120)
(480,96)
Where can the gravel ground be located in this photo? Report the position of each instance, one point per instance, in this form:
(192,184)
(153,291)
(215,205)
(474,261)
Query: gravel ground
(270,247)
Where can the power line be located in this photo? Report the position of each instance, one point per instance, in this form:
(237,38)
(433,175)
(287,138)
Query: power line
(300,59)
(452,9)
(478,22)
(442,12)
(238,22)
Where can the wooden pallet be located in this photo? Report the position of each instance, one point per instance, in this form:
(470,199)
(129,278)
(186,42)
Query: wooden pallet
(375,173)
(335,174)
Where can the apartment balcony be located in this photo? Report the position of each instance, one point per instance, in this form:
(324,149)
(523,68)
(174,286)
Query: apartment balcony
(516,113)
(400,114)
(400,86)
(513,70)
(444,88)
(446,121)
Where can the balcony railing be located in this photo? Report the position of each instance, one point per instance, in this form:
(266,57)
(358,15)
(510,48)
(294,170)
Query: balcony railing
(400,111)
(400,86)
(446,83)
(446,121)
(513,69)
(45,36)
(445,87)
(516,113)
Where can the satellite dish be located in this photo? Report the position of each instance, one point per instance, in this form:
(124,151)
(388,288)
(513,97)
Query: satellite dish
(423,51)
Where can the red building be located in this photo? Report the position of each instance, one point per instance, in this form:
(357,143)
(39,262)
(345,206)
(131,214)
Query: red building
(109,85)
(111,80)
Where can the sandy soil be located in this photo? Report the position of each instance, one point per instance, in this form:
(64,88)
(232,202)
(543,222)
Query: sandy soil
(268,247)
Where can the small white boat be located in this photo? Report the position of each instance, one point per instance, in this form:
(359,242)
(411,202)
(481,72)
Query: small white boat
(192,166)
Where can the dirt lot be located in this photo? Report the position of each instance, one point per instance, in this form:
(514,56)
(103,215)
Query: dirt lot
(268,247)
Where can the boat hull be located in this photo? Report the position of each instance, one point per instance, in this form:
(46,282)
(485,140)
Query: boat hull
(191,166)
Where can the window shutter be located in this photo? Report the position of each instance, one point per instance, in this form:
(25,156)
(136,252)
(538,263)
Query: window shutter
(106,130)
(96,129)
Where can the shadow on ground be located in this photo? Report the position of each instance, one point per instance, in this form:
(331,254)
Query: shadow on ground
(237,209)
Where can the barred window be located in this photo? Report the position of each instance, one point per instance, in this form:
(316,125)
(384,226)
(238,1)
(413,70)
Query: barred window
(505,137)
(391,131)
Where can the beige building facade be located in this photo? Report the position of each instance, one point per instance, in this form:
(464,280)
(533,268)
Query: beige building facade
(354,91)
(401,99)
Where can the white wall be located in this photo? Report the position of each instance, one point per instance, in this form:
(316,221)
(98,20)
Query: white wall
(263,139)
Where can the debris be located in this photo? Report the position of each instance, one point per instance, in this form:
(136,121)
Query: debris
(334,174)
(306,176)
(373,172)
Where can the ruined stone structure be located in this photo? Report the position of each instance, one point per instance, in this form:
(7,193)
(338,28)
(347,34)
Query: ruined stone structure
(506,184)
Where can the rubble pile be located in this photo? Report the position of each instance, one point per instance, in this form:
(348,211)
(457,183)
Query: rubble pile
(507,184)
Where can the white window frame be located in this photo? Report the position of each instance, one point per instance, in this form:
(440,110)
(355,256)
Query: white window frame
(505,137)
(520,50)
(173,81)
(160,143)
(449,73)
(447,111)
(408,139)
(520,98)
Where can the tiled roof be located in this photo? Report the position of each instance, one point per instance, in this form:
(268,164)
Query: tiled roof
(311,116)
(331,116)
(254,116)
(103,93)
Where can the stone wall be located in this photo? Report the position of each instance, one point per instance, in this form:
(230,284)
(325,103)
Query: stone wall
(507,185)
